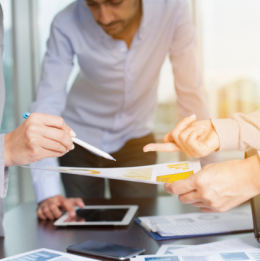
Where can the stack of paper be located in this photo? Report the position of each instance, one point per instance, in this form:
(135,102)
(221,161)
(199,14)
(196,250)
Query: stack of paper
(197,224)
(245,248)
(155,174)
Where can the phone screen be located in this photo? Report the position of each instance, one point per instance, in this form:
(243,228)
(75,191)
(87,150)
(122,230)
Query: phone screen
(105,249)
(255,204)
(98,215)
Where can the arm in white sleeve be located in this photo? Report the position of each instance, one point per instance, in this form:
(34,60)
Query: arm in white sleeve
(51,99)
(3,170)
(187,72)
(186,67)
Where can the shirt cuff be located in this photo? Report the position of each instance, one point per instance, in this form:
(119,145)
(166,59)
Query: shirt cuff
(46,188)
(4,173)
(228,133)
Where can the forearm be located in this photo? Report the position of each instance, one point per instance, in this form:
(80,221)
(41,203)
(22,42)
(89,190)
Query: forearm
(240,132)
(4,176)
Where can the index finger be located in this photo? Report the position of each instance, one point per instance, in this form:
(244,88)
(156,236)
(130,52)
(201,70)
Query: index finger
(164,147)
(69,207)
(53,121)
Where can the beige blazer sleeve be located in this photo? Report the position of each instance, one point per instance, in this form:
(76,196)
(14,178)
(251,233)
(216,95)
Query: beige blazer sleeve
(240,132)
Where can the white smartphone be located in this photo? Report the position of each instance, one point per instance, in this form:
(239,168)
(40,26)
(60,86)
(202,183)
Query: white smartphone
(118,215)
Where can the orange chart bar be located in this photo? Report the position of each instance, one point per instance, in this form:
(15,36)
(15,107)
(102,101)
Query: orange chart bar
(171,178)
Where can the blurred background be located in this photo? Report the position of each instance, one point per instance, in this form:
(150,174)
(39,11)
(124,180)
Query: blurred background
(228,41)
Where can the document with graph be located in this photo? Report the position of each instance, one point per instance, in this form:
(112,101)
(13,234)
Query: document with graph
(198,224)
(155,174)
(45,254)
(240,248)
(238,255)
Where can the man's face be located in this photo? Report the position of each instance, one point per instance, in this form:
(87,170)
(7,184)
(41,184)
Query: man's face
(114,15)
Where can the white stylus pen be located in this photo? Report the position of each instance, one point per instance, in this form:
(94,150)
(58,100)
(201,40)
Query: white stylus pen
(92,148)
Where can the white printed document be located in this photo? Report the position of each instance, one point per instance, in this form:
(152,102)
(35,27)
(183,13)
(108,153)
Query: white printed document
(170,249)
(44,254)
(244,248)
(155,174)
(238,255)
(195,224)
(247,243)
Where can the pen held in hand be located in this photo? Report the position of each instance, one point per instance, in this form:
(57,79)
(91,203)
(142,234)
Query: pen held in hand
(83,144)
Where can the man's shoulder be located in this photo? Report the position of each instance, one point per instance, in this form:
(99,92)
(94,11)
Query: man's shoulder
(166,9)
(70,13)
(165,3)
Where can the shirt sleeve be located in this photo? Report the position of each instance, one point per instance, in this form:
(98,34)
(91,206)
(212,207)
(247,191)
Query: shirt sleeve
(186,67)
(4,175)
(187,72)
(51,99)
(240,132)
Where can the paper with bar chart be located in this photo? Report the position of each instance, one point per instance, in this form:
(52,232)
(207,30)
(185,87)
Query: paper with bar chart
(242,248)
(155,174)
(239,255)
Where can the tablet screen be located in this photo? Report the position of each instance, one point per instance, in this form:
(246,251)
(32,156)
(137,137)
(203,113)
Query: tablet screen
(99,215)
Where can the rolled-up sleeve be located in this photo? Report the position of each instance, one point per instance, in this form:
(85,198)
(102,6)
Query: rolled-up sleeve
(240,132)
(4,175)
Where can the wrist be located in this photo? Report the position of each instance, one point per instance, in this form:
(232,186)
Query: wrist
(7,146)
(216,137)
(252,166)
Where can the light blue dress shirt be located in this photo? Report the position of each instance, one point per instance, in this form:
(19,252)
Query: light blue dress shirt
(115,94)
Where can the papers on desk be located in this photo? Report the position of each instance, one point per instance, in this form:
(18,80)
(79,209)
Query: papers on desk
(245,248)
(243,243)
(44,254)
(170,249)
(197,224)
(253,255)
(155,174)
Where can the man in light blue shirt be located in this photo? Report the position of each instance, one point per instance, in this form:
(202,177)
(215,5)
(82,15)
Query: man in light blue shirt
(120,46)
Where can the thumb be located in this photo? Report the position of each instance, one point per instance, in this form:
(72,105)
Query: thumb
(168,138)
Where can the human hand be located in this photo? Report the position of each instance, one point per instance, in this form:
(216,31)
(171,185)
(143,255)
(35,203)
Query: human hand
(221,186)
(40,136)
(195,139)
(51,208)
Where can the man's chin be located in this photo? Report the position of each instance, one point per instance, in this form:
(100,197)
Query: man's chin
(114,31)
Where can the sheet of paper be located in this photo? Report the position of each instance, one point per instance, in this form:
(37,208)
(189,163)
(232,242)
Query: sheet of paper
(199,223)
(247,255)
(155,174)
(170,249)
(44,254)
(242,243)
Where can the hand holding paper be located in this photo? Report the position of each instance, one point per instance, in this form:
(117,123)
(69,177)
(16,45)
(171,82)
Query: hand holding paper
(195,139)
(221,186)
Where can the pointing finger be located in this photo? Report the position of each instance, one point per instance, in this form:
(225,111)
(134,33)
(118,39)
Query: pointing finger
(163,147)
